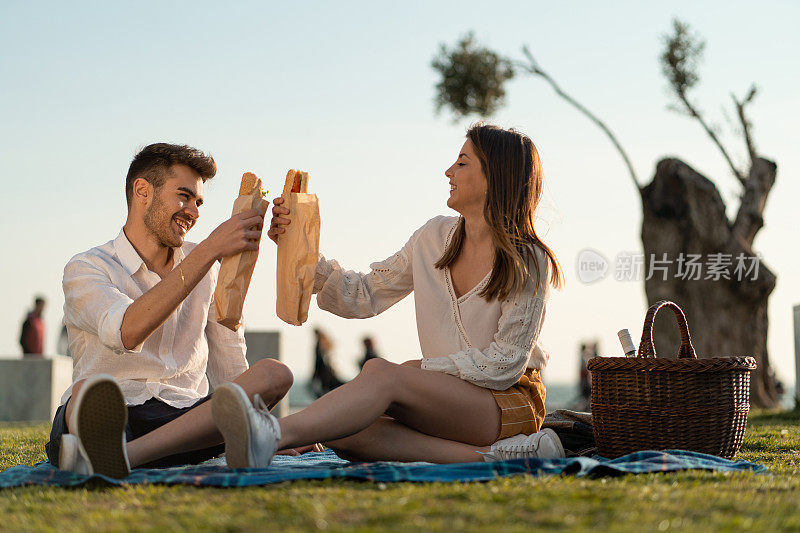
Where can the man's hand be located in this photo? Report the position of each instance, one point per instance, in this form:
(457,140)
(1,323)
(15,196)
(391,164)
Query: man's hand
(239,233)
(278,220)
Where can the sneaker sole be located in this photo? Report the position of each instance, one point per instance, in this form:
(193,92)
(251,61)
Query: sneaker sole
(229,408)
(101,423)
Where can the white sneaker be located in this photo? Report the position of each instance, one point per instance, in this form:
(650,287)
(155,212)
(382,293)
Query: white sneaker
(97,424)
(542,445)
(70,457)
(251,433)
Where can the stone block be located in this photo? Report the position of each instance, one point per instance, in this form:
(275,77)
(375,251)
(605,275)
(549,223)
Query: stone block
(31,387)
(266,345)
(797,355)
(262,345)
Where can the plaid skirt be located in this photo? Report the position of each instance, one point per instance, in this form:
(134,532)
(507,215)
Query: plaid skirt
(521,405)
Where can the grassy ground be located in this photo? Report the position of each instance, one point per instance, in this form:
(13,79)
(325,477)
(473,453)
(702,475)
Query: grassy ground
(693,501)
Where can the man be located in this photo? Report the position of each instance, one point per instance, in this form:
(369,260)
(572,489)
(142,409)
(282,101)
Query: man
(142,328)
(31,337)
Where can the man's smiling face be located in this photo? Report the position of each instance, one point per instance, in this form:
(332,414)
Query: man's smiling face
(175,206)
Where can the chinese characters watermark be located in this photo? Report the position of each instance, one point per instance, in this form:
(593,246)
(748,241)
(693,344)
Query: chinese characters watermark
(630,266)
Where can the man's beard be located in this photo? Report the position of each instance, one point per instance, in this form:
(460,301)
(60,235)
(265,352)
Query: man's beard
(158,221)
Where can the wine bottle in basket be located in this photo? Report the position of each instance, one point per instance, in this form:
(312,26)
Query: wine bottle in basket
(627,344)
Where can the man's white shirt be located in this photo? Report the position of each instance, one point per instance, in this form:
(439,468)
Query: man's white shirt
(171,363)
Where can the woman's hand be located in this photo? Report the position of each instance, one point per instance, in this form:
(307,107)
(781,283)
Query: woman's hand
(276,227)
(303,449)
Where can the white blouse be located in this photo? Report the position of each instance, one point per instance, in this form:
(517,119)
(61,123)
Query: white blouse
(489,343)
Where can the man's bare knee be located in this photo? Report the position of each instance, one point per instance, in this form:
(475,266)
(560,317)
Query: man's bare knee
(275,376)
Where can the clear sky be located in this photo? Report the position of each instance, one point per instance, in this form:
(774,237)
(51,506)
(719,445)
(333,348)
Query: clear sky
(345,91)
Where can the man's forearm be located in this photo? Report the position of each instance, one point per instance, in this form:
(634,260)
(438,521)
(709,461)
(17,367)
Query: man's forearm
(239,233)
(151,309)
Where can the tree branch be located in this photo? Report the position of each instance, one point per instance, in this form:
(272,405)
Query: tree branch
(748,138)
(696,114)
(533,67)
(750,216)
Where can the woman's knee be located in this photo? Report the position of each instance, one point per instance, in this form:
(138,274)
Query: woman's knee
(379,371)
(379,367)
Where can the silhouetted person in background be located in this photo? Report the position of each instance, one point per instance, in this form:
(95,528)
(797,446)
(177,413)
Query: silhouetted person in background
(584,400)
(31,338)
(324,379)
(62,346)
(369,351)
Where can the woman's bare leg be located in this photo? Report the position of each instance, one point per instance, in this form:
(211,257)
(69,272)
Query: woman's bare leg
(195,429)
(432,403)
(388,440)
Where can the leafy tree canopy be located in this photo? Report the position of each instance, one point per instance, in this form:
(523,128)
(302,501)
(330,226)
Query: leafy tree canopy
(472,78)
(683,52)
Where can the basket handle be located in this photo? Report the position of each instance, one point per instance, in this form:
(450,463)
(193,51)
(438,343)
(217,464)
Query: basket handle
(646,346)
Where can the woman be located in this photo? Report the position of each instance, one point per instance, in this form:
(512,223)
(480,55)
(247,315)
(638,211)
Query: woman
(480,282)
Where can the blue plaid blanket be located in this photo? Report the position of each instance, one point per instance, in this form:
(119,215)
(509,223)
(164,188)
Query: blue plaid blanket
(326,465)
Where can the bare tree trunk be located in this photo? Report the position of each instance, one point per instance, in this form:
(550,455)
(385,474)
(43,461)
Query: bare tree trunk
(684,214)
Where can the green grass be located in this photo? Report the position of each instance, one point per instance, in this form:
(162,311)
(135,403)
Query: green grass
(689,501)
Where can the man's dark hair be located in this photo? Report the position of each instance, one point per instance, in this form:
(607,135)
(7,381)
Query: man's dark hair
(39,299)
(153,163)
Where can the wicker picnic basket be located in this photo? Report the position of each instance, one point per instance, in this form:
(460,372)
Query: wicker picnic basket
(647,403)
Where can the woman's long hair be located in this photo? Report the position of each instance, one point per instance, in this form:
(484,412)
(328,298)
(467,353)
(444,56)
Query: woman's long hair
(513,170)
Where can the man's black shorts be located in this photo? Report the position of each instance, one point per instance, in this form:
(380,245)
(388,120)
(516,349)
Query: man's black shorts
(142,419)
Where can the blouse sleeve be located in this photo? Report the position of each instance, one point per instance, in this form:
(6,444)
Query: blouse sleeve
(501,365)
(351,294)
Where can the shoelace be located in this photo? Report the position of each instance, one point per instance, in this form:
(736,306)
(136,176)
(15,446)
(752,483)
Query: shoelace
(518,449)
(262,408)
(260,405)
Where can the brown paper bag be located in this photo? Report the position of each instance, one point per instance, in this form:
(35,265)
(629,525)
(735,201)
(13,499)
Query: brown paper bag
(236,270)
(298,250)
